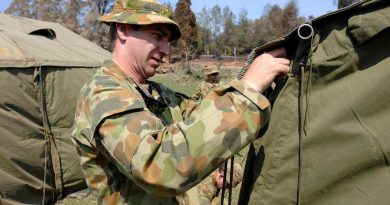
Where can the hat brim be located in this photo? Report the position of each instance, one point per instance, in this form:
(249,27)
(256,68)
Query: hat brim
(142,19)
(212,72)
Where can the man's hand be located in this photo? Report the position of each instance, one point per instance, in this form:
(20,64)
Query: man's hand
(266,68)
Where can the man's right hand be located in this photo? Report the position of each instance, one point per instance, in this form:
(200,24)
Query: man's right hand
(266,68)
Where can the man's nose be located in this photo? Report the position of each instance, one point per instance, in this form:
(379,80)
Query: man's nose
(164,47)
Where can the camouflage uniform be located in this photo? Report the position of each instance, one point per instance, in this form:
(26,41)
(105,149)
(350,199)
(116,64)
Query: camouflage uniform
(208,191)
(142,148)
(204,88)
(210,194)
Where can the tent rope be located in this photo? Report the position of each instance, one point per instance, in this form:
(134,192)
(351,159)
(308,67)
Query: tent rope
(40,86)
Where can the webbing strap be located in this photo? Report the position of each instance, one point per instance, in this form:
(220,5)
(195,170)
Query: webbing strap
(225,182)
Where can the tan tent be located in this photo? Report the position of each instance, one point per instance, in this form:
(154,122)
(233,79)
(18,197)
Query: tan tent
(42,68)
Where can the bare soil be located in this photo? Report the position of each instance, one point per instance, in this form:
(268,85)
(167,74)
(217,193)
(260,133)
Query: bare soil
(222,63)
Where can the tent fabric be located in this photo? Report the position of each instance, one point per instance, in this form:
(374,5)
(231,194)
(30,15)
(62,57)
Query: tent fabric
(28,42)
(61,89)
(328,141)
(22,148)
(40,85)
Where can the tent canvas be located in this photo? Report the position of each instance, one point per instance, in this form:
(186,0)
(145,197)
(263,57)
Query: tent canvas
(42,68)
(327,140)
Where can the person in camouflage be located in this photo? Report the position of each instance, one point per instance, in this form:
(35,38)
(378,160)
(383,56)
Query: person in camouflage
(210,188)
(212,80)
(143,143)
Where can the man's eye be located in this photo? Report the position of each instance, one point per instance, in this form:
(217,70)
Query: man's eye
(157,36)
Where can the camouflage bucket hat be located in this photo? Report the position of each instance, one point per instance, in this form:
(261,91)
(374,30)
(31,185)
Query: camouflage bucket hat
(211,69)
(142,12)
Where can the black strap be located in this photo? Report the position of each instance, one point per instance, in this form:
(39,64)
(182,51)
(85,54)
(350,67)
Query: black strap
(224,182)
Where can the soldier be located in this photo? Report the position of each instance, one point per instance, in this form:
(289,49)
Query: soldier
(210,188)
(143,143)
(212,81)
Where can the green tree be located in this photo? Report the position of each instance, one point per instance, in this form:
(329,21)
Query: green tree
(205,34)
(243,33)
(187,22)
(229,28)
(216,25)
(344,3)
(204,40)
(204,18)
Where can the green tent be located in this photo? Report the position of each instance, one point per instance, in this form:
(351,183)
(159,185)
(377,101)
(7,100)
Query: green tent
(42,68)
(328,139)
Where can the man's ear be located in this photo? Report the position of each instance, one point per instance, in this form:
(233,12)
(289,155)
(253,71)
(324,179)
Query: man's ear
(121,30)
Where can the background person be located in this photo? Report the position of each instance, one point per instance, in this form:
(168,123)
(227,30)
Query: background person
(212,80)
(210,189)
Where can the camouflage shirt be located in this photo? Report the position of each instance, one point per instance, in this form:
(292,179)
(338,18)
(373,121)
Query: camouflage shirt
(204,88)
(148,147)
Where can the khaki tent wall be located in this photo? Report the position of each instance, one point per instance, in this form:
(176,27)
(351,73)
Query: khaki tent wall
(40,79)
(328,139)
(22,147)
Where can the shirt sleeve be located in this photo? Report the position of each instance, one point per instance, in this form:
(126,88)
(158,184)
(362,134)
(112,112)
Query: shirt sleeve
(167,160)
(197,94)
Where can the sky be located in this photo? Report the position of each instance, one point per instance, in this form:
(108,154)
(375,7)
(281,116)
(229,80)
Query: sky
(255,8)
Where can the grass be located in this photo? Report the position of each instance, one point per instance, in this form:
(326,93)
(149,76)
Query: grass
(186,82)
(184,85)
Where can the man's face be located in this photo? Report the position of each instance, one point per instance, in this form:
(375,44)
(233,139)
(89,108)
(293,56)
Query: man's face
(213,77)
(219,174)
(146,49)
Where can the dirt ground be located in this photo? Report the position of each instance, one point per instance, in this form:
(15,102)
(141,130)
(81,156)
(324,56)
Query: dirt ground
(232,64)
(223,63)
